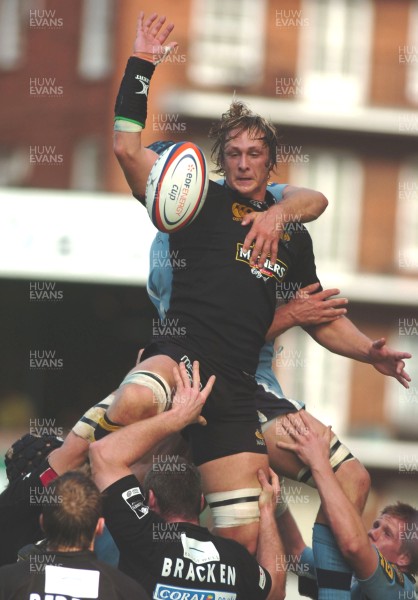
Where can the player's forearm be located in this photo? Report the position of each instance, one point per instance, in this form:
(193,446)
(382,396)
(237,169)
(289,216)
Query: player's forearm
(72,454)
(301,204)
(130,117)
(342,337)
(112,456)
(284,318)
(290,534)
(271,553)
(135,160)
(343,518)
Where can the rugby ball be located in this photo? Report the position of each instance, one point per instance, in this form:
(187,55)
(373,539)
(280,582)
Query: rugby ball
(176,187)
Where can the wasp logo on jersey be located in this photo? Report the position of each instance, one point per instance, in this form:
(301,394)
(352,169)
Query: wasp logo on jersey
(260,438)
(390,570)
(267,271)
(239,211)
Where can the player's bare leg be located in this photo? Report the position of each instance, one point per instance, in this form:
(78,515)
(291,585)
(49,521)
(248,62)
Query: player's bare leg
(333,573)
(135,401)
(236,472)
(353,477)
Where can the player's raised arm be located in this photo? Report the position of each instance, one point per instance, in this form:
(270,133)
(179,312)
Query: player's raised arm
(342,337)
(131,102)
(298,204)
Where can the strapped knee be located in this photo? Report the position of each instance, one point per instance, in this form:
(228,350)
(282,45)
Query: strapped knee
(161,392)
(338,454)
(234,508)
(88,423)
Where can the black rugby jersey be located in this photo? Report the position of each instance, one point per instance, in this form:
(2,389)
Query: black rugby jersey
(220,307)
(178,560)
(20,507)
(66,576)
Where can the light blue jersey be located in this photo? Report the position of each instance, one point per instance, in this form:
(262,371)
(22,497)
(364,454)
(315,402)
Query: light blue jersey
(386,583)
(159,291)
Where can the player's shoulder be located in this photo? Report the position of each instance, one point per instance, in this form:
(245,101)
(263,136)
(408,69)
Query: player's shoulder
(296,234)
(112,577)
(218,188)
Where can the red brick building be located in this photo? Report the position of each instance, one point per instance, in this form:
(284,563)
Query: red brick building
(340,79)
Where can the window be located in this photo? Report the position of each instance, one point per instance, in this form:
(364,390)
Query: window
(87,173)
(310,373)
(95,59)
(410,56)
(15,166)
(227,47)
(407,218)
(401,405)
(11,33)
(335,235)
(335,51)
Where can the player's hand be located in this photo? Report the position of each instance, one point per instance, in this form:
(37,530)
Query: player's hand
(270,490)
(309,307)
(264,234)
(150,38)
(311,447)
(389,362)
(188,399)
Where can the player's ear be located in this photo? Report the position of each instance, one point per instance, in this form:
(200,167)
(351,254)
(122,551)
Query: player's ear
(100,526)
(203,503)
(152,501)
(404,559)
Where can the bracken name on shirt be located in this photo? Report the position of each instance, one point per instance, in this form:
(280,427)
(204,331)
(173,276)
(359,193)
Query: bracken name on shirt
(211,573)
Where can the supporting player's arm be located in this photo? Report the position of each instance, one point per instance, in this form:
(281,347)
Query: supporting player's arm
(301,205)
(71,455)
(341,514)
(270,549)
(131,104)
(342,337)
(290,534)
(309,307)
(298,204)
(112,456)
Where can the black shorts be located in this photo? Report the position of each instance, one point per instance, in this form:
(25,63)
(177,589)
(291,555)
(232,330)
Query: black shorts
(270,406)
(232,419)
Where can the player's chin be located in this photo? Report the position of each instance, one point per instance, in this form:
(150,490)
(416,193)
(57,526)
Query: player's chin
(244,187)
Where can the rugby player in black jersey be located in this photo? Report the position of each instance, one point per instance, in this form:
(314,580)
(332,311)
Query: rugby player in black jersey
(224,300)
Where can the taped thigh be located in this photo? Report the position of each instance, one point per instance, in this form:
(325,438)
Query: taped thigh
(338,454)
(160,389)
(234,508)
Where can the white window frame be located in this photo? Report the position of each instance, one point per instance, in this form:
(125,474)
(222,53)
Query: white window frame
(336,234)
(228,40)
(96,42)
(87,173)
(309,373)
(407,217)
(412,65)
(11,33)
(400,404)
(335,52)
(15,167)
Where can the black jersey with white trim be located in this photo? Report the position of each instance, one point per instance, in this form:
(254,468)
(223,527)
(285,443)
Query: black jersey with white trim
(49,575)
(220,306)
(178,560)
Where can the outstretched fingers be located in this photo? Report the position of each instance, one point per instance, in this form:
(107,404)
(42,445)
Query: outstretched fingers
(196,375)
(181,382)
